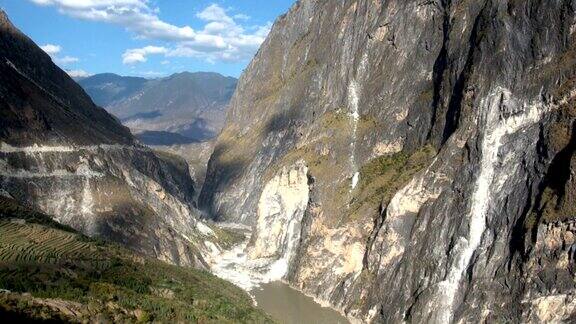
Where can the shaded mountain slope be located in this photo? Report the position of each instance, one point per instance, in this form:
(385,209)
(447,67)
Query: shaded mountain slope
(67,157)
(40,103)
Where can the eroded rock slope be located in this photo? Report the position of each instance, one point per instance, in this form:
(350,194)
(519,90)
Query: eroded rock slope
(65,156)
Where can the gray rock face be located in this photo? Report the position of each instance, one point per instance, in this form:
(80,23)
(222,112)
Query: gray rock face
(122,193)
(63,155)
(196,155)
(438,137)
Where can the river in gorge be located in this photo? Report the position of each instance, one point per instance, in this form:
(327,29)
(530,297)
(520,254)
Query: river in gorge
(262,279)
(289,306)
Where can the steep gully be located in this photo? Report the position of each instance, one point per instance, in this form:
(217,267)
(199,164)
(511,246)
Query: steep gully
(496,127)
(261,263)
(276,235)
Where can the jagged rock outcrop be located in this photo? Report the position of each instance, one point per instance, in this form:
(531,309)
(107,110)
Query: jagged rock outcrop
(439,140)
(69,158)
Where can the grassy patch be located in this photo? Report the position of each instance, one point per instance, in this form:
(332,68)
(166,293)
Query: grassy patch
(228,238)
(382,177)
(106,281)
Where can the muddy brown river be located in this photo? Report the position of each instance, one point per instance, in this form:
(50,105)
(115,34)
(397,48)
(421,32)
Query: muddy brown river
(290,306)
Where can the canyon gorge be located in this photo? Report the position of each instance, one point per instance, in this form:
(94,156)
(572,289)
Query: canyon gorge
(437,142)
(398,161)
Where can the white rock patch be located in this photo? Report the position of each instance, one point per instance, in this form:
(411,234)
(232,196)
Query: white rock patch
(387,148)
(281,208)
(204,229)
(496,128)
(280,212)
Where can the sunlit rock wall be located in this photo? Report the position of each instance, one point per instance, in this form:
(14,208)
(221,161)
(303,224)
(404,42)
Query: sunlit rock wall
(279,226)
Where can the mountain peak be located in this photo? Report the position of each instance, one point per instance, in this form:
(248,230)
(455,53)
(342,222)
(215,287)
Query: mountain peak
(4,20)
(50,93)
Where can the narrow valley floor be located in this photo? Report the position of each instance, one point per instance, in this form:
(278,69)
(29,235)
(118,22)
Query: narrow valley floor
(259,279)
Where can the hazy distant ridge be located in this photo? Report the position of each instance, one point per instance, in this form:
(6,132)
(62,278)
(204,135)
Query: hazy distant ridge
(184,107)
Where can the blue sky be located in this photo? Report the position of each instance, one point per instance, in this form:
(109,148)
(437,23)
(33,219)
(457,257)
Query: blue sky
(148,38)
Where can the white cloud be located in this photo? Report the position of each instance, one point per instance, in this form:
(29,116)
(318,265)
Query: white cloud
(214,13)
(54,50)
(51,49)
(139,55)
(134,15)
(242,17)
(222,38)
(165,62)
(78,73)
(66,60)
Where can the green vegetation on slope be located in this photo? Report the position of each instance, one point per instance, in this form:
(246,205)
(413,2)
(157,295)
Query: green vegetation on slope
(10,208)
(382,177)
(57,274)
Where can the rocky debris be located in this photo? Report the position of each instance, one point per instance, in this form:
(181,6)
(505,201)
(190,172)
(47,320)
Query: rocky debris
(38,308)
(5,194)
(163,292)
(552,309)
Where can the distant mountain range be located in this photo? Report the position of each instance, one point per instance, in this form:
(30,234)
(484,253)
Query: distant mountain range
(180,109)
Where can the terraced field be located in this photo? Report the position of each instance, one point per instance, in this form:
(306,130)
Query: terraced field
(36,243)
(50,272)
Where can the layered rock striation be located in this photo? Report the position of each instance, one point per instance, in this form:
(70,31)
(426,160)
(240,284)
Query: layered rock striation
(66,157)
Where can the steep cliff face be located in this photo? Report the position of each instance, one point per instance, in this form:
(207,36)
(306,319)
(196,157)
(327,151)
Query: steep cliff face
(438,140)
(69,158)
